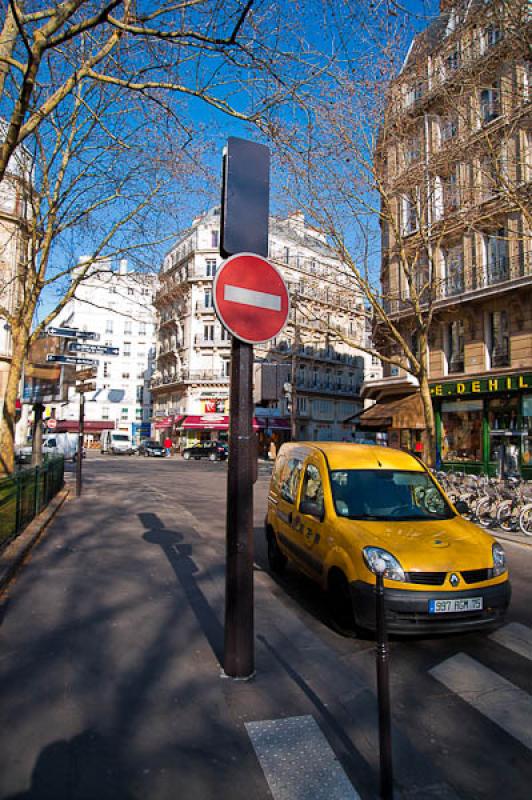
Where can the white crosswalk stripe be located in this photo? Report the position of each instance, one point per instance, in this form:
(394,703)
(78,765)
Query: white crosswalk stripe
(488,692)
(515,637)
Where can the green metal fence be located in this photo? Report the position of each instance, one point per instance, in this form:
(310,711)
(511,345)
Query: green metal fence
(24,495)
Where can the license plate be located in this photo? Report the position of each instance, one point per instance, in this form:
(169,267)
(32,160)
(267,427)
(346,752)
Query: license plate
(455,605)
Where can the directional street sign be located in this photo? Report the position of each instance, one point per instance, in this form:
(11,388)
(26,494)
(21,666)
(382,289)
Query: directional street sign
(73,333)
(86,387)
(100,349)
(251,298)
(86,374)
(85,362)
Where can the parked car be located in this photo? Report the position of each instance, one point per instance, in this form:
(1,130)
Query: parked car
(149,447)
(214,451)
(116,442)
(340,512)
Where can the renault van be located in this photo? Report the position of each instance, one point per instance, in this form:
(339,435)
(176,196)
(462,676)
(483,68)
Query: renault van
(336,509)
(116,443)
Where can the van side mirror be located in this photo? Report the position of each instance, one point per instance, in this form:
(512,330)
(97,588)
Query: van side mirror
(312,509)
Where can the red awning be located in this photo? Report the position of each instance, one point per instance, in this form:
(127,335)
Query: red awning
(209,422)
(90,426)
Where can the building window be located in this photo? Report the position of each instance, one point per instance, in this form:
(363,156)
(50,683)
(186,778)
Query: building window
(490,103)
(412,150)
(497,267)
(208,333)
(210,267)
(455,346)
(108,325)
(125,376)
(128,326)
(207,298)
(410,213)
(286,255)
(224,334)
(492,35)
(499,339)
(448,128)
(105,412)
(142,329)
(144,292)
(454,270)
(452,61)
(127,349)
(226,369)
(214,239)
(130,290)
(139,394)
(106,369)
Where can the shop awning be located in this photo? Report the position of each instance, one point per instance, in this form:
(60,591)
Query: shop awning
(400,412)
(90,426)
(209,422)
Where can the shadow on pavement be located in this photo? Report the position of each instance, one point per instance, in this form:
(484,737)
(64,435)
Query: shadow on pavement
(84,767)
(179,554)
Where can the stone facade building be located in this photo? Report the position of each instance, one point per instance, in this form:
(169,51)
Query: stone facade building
(455,159)
(318,372)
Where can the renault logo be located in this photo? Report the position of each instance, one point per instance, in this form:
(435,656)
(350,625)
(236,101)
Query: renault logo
(454,580)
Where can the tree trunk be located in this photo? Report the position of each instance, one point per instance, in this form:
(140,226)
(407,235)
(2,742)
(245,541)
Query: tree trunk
(429,445)
(7,423)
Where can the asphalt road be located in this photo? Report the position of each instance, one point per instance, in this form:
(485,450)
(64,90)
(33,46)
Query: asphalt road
(459,738)
(462,702)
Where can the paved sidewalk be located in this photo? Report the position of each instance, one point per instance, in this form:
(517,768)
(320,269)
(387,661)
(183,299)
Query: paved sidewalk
(112,641)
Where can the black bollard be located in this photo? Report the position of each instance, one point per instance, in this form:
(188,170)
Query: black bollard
(383,687)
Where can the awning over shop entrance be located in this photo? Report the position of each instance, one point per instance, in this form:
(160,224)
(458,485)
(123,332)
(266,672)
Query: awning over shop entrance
(399,412)
(209,422)
(90,426)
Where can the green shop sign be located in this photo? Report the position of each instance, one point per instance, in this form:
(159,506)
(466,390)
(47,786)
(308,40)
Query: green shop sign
(501,383)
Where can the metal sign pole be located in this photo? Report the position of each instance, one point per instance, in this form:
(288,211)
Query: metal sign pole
(239,651)
(383,688)
(80,443)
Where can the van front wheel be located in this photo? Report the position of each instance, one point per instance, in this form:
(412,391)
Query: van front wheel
(340,605)
(276,559)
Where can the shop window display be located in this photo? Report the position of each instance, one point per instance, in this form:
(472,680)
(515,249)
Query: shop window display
(461,432)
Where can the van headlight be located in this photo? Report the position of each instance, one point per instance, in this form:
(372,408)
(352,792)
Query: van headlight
(499,559)
(394,571)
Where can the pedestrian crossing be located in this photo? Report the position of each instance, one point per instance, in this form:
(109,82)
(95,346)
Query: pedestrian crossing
(487,691)
(299,764)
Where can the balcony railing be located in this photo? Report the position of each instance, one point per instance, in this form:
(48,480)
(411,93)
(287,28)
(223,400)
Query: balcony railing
(217,341)
(187,376)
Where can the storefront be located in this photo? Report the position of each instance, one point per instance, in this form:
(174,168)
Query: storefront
(482,422)
(195,428)
(397,422)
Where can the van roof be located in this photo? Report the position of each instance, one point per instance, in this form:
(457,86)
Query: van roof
(344,455)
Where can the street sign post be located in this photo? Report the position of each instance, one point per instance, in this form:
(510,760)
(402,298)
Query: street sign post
(240,301)
(86,387)
(97,349)
(86,374)
(251,298)
(72,333)
(85,362)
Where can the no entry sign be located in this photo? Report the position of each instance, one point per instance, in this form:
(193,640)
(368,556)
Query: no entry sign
(251,298)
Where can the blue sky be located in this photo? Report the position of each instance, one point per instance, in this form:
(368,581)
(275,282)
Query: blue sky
(318,26)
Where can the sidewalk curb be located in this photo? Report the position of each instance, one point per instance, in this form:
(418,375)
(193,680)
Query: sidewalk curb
(15,553)
(525,541)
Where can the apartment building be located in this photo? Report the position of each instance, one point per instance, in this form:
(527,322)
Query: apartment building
(320,373)
(455,159)
(118,306)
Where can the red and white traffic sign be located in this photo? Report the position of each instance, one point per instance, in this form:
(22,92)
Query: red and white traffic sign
(51,423)
(251,298)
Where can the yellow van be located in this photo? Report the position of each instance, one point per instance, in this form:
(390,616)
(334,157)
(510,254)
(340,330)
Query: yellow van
(334,509)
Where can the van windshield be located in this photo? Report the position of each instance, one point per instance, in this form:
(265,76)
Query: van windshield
(387,495)
(120,437)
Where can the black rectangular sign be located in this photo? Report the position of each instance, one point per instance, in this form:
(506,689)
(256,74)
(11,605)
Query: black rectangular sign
(245,198)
